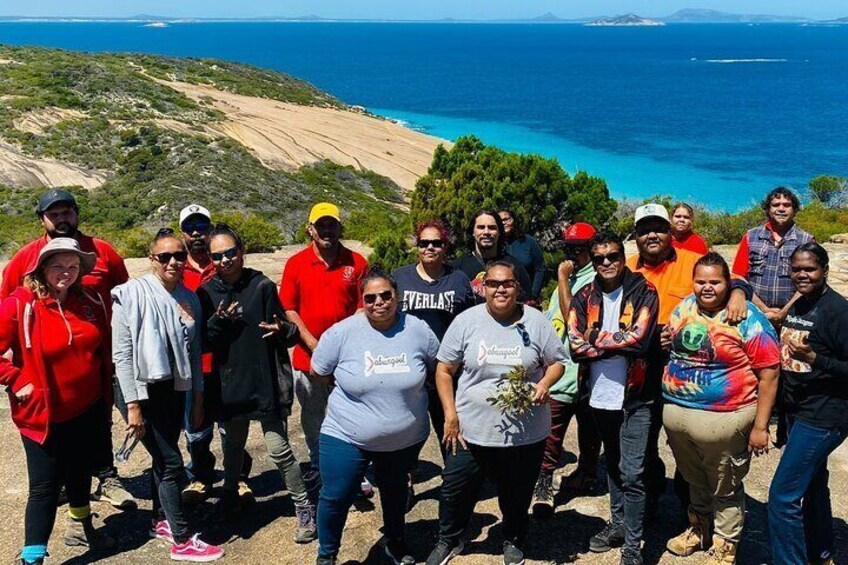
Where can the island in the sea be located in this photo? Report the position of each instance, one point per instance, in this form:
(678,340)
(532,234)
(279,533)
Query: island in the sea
(625,20)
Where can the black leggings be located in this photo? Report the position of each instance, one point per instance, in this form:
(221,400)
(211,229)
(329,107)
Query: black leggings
(64,458)
(164,412)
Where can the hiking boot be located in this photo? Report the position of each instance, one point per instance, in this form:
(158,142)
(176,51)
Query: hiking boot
(306,530)
(543,496)
(695,538)
(722,552)
(512,555)
(195,493)
(161,529)
(397,553)
(112,491)
(444,552)
(611,536)
(196,551)
(82,533)
(631,557)
(245,493)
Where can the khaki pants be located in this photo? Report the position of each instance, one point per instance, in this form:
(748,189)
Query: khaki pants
(711,451)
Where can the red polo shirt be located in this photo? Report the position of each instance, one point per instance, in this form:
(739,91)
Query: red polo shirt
(194,278)
(321,294)
(109,270)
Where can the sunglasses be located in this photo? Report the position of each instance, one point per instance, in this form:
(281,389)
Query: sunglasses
(165,258)
(230,253)
(495,284)
(613,257)
(191,227)
(385,296)
(645,230)
(425,243)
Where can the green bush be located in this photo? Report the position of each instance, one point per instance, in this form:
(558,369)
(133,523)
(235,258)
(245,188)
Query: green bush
(823,221)
(471,176)
(391,250)
(258,234)
(828,189)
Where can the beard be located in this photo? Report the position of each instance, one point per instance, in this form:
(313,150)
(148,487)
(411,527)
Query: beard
(197,246)
(64,229)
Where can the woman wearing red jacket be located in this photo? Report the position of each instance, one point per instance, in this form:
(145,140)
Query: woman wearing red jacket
(58,383)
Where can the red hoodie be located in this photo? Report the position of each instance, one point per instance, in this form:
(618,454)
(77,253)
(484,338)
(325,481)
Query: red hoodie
(62,351)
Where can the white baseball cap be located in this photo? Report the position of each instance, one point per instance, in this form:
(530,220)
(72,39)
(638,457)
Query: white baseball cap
(651,211)
(194,210)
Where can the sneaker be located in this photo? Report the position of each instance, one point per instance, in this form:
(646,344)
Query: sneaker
(195,493)
(397,553)
(196,551)
(161,529)
(631,557)
(512,555)
(306,529)
(245,493)
(611,536)
(82,533)
(325,560)
(112,491)
(543,496)
(366,488)
(444,552)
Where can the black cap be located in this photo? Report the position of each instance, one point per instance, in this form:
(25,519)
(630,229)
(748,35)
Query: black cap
(53,197)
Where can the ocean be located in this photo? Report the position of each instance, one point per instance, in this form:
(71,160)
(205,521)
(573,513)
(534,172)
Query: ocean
(714,114)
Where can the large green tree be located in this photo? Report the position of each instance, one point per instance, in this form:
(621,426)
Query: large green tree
(470,176)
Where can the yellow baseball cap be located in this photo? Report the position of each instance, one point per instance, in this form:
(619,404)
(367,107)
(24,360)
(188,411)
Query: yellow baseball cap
(322,210)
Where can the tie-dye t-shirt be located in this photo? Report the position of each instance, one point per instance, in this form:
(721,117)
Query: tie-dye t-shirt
(712,362)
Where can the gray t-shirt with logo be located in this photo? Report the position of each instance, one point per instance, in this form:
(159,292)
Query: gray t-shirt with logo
(379,402)
(488,350)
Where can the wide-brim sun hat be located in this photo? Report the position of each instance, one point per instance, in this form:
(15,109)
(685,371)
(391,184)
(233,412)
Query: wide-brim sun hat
(64,245)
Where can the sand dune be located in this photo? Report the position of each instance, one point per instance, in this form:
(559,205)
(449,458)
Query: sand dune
(288,136)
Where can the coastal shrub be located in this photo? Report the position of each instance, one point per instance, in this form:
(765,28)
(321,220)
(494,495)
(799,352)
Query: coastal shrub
(258,234)
(823,221)
(829,189)
(391,250)
(471,175)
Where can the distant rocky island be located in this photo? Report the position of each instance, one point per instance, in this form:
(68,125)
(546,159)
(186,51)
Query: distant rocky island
(625,20)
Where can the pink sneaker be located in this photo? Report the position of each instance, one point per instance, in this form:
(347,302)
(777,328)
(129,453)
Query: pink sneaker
(161,530)
(196,550)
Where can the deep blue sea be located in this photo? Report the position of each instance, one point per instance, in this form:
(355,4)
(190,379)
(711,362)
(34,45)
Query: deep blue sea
(717,114)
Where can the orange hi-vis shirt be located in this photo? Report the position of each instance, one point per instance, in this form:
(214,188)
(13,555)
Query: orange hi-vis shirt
(672,278)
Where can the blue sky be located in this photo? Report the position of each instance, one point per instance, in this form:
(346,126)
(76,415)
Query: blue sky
(410,9)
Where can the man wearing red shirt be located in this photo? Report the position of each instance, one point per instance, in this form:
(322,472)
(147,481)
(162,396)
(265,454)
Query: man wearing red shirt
(59,214)
(319,287)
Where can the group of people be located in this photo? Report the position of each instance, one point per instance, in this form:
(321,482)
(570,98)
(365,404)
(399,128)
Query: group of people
(670,337)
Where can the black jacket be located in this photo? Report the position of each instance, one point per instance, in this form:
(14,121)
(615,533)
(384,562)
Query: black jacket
(636,327)
(254,373)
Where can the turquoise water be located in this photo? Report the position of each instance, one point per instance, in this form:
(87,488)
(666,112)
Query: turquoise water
(718,114)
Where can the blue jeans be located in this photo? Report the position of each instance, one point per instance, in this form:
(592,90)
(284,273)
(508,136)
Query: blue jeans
(800,517)
(342,467)
(625,435)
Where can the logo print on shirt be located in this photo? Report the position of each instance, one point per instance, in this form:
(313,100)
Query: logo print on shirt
(495,355)
(385,364)
(347,274)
